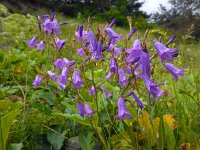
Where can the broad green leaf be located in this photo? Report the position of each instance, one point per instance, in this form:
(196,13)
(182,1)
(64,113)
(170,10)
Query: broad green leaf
(16,146)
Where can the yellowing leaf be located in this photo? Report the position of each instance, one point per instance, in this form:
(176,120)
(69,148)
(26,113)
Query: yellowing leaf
(169,119)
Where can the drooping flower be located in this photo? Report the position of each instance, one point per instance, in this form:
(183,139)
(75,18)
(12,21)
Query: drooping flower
(139,103)
(92,91)
(37,80)
(174,71)
(59,63)
(133,30)
(113,67)
(89,112)
(81,109)
(32,43)
(80,34)
(115,50)
(59,43)
(62,81)
(113,35)
(40,46)
(171,40)
(163,51)
(92,40)
(97,53)
(128,70)
(78,82)
(135,52)
(80,51)
(68,63)
(122,110)
(123,81)
(152,87)
(52,75)
(112,23)
(107,94)
(51,26)
(65,72)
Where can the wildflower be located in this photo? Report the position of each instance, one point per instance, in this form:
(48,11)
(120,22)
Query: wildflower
(89,112)
(128,70)
(77,79)
(133,30)
(51,26)
(81,109)
(123,81)
(92,40)
(163,51)
(115,50)
(112,23)
(113,35)
(40,46)
(62,80)
(52,75)
(65,72)
(59,63)
(139,103)
(92,91)
(135,52)
(152,87)
(171,40)
(80,34)
(113,66)
(107,94)
(80,51)
(174,71)
(59,43)
(122,111)
(97,53)
(32,43)
(37,80)
(68,63)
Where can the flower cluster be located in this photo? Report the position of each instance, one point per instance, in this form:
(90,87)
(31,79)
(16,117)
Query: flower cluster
(51,27)
(125,64)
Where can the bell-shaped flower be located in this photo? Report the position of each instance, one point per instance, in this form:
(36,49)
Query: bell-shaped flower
(80,51)
(174,71)
(68,63)
(81,109)
(32,43)
(171,40)
(59,63)
(123,81)
(59,43)
(130,34)
(135,52)
(91,38)
(89,112)
(37,80)
(52,75)
(139,103)
(115,50)
(62,81)
(78,82)
(152,87)
(80,34)
(122,110)
(92,91)
(97,53)
(51,26)
(107,94)
(163,51)
(113,35)
(40,46)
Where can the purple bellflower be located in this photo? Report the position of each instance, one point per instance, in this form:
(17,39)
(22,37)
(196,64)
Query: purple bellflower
(68,63)
(97,53)
(92,91)
(113,67)
(37,80)
(62,80)
(80,51)
(174,71)
(115,50)
(59,43)
(80,34)
(113,35)
(59,63)
(123,81)
(81,109)
(139,103)
(92,40)
(32,43)
(122,111)
(163,51)
(133,30)
(78,82)
(135,52)
(52,75)
(89,112)
(112,23)
(107,94)
(171,40)
(51,26)
(40,46)
(152,87)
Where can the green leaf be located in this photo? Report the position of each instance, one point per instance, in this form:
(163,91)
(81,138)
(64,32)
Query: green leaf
(5,123)
(86,142)
(16,146)
(56,139)
(161,130)
(75,117)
